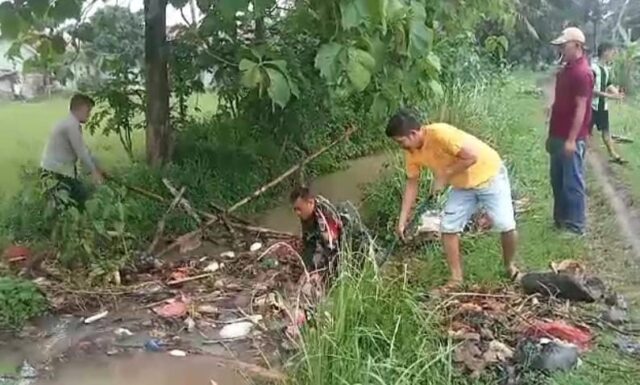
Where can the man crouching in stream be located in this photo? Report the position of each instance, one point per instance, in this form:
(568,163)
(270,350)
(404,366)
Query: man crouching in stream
(325,231)
(476,174)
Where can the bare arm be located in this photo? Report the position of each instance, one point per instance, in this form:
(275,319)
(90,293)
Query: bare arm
(578,118)
(409,197)
(465,158)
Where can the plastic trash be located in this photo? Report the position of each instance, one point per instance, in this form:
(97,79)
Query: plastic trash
(628,346)
(212,267)
(255,247)
(96,317)
(579,336)
(153,345)
(236,330)
(122,332)
(175,308)
(228,254)
(556,356)
(27,370)
(178,353)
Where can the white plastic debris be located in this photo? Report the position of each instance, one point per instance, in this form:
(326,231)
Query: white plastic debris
(212,267)
(228,254)
(207,309)
(96,317)
(190,324)
(236,330)
(178,353)
(255,246)
(122,332)
(27,370)
(429,222)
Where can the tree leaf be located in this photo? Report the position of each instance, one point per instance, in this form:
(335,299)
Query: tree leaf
(278,90)
(58,44)
(251,74)
(38,7)
(204,5)
(229,8)
(178,4)
(328,59)
(378,13)
(433,63)
(395,9)
(380,106)
(420,37)
(360,65)
(353,13)
(66,9)
(260,7)
(10,24)
(436,88)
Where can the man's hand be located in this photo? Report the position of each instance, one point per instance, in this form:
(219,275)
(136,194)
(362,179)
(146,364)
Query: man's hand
(618,96)
(400,230)
(570,147)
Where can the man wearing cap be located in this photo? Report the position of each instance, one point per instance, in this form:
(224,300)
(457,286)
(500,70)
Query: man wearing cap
(568,131)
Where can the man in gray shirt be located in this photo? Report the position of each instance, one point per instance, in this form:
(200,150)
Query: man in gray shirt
(65,146)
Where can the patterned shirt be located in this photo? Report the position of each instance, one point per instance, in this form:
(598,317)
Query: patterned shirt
(321,235)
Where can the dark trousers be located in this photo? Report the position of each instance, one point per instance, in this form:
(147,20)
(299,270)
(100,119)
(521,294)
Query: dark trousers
(568,183)
(64,191)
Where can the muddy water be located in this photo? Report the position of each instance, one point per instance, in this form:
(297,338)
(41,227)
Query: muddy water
(339,186)
(145,368)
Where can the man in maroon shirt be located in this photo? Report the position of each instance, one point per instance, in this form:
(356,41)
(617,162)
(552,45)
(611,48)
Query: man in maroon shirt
(568,132)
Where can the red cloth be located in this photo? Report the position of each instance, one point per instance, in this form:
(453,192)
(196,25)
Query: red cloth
(575,79)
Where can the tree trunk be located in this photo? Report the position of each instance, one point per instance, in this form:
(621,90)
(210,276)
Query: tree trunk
(260,31)
(159,131)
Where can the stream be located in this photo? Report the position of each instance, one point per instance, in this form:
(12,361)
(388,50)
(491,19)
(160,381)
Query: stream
(144,368)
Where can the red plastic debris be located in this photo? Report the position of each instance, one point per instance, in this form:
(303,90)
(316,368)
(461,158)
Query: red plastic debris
(577,335)
(16,253)
(174,308)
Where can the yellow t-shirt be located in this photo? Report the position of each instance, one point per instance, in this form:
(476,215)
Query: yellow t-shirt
(442,143)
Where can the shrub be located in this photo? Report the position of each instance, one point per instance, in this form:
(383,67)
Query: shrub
(20,300)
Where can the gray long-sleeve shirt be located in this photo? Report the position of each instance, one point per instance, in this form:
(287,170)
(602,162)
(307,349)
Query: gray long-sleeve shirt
(65,146)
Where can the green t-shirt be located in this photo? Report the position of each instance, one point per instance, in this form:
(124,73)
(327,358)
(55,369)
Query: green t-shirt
(602,80)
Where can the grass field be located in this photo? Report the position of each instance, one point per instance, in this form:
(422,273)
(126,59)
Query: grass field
(25,127)
(625,120)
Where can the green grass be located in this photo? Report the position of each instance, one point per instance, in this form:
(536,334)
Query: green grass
(374,329)
(625,120)
(25,128)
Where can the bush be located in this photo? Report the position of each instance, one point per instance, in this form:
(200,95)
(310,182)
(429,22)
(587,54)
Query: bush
(20,300)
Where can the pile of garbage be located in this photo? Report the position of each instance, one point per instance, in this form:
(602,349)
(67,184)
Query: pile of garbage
(535,329)
(512,333)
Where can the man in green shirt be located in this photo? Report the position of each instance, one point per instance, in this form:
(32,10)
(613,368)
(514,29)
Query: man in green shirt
(603,89)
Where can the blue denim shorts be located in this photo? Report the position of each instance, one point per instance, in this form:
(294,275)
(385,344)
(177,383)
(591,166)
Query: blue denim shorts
(494,196)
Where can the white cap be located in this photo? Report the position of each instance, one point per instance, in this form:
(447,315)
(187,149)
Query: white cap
(570,34)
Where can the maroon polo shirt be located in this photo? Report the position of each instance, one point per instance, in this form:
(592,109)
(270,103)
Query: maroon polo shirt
(575,79)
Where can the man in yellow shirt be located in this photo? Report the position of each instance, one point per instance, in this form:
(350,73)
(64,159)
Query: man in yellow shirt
(476,174)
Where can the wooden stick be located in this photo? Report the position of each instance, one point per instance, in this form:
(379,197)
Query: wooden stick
(290,171)
(264,230)
(161,224)
(138,190)
(236,218)
(183,202)
(188,279)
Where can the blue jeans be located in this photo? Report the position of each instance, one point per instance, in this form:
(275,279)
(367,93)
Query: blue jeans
(568,185)
(494,196)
